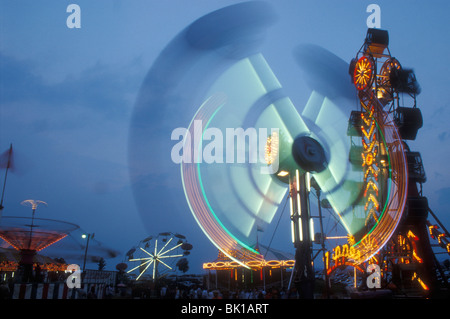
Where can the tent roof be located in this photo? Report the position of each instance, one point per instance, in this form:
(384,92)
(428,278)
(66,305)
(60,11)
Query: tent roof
(275,254)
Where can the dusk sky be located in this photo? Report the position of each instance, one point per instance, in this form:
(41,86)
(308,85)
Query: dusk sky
(67,97)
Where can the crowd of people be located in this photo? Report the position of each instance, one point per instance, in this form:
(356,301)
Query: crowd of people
(199,292)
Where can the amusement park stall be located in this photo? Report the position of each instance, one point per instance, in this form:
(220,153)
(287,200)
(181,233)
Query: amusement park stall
(49,279)
(273,269)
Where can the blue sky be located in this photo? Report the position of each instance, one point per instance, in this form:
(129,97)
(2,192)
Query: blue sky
(67,97)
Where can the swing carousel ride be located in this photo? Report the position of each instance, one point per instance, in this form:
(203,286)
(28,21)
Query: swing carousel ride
(30,235)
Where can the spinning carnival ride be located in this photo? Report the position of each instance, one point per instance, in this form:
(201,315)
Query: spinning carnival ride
(355,160)
(31,235)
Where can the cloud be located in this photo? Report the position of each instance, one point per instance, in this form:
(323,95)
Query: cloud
(87,114)
(443,136)
(76,134)
(443,197)
(103,89)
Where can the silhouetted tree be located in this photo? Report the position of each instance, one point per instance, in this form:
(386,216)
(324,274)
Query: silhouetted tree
(183,265)
(101,264)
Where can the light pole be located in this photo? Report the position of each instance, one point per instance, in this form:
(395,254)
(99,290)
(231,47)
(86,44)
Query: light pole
(322,237)
(88,236)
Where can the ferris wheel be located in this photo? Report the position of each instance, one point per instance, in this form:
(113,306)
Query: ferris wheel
(351,157)
(159,255)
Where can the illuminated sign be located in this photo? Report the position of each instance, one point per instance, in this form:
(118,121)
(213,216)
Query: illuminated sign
(344,255)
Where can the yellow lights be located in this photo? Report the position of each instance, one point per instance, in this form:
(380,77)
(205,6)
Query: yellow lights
(384,87)
(370,166)
(371,185)
(420,281)
(367,118)
(408,248)
(327,259)
(369,134)
(412,235)
(371,214)
(383,167)
(368,243)
(432,229)
(413,238)
(38,243)
(345,251)
(416,257)
(342,262)
(369,147)
(439,236)
(283,173)
(12,266)
(364,73)
(52,242)
(372,172)
(381,94)
(271,149)
(369,157)
(372,199)
(223,265)
(350,239)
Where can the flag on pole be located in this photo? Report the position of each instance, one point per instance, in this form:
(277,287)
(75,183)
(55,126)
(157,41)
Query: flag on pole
(6,159)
